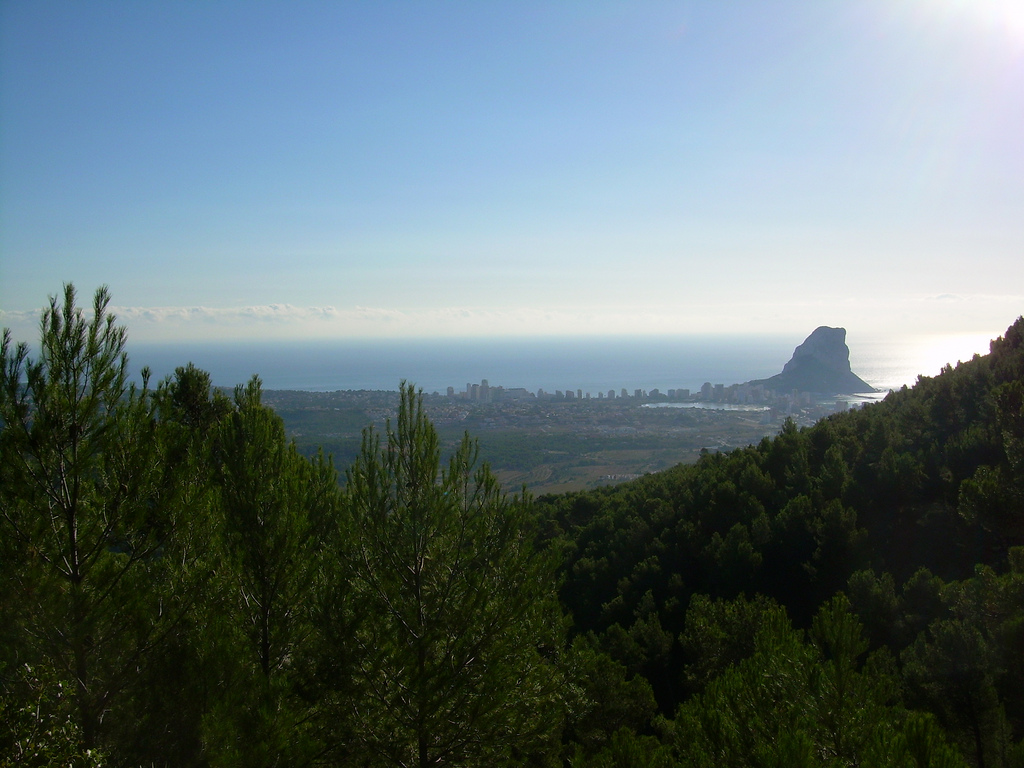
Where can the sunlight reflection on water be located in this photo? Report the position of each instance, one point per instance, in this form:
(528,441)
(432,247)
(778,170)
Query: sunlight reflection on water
(891,363)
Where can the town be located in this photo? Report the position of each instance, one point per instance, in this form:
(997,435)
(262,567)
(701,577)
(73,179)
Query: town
(745,394)
(563,440)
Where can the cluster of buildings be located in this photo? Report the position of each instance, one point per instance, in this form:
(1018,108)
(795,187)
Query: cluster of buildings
(741,394)
(485,393)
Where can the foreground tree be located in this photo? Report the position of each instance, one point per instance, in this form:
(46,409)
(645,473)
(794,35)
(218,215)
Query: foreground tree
(798,702)
(457,624)
(84,512)
(274,507)
(951,669)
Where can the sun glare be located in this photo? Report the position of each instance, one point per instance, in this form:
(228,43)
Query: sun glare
(953,349)
(994,18)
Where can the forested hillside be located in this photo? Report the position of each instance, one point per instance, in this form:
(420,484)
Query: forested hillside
(894,530)
(181,586)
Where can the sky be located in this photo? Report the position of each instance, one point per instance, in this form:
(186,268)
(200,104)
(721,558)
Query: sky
(434,169)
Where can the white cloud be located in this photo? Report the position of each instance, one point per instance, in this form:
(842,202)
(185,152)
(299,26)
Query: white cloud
(877,316)
(19,317)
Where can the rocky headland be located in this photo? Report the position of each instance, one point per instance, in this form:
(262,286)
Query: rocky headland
(821,365)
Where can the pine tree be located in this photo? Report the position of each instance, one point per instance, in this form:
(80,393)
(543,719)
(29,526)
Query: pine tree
(274,505)
(84,511)
(457,624)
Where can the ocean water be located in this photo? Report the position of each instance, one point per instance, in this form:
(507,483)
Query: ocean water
(893,362)
(589,364)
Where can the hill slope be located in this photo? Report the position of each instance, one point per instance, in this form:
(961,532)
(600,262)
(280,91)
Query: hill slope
(898,504)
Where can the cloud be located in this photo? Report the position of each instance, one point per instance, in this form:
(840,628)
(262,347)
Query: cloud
(281,320)
(281,314)
(23,324)
(881,315)
(19,317)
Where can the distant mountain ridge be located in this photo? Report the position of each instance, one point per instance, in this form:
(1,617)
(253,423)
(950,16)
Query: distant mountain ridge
(820,364)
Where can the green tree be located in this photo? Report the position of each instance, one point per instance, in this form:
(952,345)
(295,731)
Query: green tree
(626,749)
(39,730)
(457,623)
(272,498)
(797,703)
(757,711)
(85,511)
(603,698)
(189,400)
(720,633)
(951,669)
(848,702)
(274,505)
(994,496)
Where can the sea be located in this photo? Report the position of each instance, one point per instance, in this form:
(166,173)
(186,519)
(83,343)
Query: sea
(586,364)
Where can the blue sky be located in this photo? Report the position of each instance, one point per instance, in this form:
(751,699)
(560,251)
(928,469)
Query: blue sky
(400,169)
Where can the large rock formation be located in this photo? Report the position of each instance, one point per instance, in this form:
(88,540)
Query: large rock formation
(821,364)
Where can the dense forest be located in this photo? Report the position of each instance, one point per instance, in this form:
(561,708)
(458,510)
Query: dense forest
(181,586)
